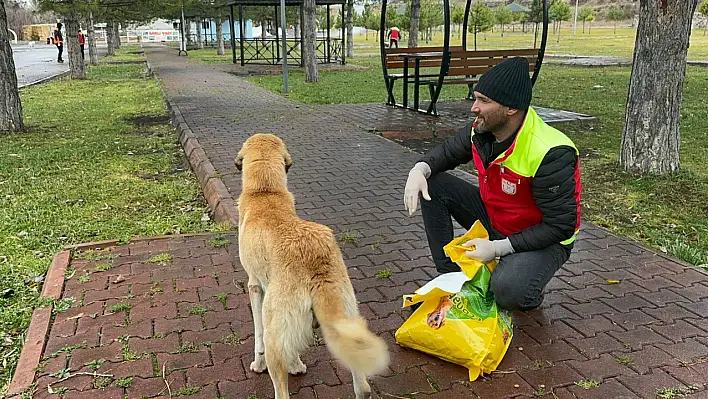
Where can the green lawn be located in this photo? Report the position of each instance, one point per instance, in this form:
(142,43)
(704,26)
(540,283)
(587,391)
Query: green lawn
(99,161)
(599,41)
(667,213)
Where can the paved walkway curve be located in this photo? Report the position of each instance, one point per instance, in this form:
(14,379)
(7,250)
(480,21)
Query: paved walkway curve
(645,335)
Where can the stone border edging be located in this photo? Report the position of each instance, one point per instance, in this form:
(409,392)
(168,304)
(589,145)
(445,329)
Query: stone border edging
(39,327)
(45,80)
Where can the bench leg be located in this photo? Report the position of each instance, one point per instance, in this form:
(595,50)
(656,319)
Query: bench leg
(470,92)
(389,88)
(432,108)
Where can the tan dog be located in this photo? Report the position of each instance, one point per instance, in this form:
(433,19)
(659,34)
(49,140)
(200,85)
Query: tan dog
(295,268)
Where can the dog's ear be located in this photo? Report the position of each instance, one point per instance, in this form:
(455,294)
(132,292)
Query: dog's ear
(288,161)
(239,162)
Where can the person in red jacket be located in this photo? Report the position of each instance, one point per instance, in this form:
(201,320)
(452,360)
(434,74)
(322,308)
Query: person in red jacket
(394,35)
(82,42)
(528,196)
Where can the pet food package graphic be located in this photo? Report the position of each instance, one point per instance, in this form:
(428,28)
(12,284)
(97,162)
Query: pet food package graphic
(459,320)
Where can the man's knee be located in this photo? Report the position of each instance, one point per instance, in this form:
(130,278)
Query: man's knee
(514,295)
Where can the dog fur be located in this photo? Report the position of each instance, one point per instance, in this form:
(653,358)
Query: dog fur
(295,268)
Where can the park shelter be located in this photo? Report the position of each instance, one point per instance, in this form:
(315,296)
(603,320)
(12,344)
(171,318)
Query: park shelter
(267,51)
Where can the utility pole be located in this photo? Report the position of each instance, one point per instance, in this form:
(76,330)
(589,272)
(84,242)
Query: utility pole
(575,20)
(285,46)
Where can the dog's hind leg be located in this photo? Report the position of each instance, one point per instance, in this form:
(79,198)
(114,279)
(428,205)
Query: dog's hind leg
(362,390)
(256,294)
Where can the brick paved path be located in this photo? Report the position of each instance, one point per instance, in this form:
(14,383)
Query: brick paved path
(646,333)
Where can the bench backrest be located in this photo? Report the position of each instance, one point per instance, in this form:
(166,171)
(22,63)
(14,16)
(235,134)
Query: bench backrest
(395,61)
(478,62)
(462,62)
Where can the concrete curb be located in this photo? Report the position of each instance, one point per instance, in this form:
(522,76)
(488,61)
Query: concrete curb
(213,188)
(39,327)
(47,79)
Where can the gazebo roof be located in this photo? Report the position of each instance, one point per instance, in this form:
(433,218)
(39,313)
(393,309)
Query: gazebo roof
(287,2)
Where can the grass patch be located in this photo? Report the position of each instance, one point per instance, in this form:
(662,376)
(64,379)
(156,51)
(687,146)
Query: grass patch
(120,307)
(95,364)
(625,360)
(665,213)
(124,382)
(233,339)
(219,241)
(222,297)
(588,384)
(384,273)
(76,175)
(674,392)
(186,391)
(348,236)
(162,259)
(595,41)
(198,310)
(209,56)
(125,53)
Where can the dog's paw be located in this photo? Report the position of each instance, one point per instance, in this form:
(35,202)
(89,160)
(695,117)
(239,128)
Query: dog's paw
(258,365)
(298,368)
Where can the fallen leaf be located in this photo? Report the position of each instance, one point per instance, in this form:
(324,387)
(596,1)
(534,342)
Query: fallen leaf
(119,279)
(78,316)
(613,281)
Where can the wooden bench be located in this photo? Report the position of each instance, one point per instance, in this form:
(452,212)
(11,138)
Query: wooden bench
(395,61)
(465,67)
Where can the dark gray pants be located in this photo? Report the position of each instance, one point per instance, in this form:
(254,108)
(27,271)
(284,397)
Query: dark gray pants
(520,278)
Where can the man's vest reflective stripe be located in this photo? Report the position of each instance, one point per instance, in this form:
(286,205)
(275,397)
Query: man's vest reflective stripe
(505,186)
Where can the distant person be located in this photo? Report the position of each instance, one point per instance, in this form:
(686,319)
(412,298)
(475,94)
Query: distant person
(394,35)
(59,41)
(82,42)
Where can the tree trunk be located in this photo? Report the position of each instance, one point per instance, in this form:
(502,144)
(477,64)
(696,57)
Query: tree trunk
(10,103)
(558,39)
(535,35)
(91,38)
(415,22)
(76,63)
(188,31)
(650,140)
(475,39)
(116,26)
(110,37)
(219,35)
(310,41)
(350,28)
(583,26)
(200,42)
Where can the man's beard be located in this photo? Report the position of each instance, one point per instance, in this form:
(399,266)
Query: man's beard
(492,122)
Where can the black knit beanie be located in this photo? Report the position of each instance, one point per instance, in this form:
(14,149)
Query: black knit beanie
(508,83)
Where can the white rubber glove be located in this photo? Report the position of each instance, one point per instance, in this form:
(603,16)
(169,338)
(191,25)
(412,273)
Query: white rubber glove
(486,250)
(417,183)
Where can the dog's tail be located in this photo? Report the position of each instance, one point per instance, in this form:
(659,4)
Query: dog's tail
(345,332)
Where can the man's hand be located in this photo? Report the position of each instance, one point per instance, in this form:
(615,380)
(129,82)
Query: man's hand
(417,183)
(486,250)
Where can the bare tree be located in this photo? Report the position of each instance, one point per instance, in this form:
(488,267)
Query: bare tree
(219,34)
(10,103)
(350,28)
(310,41)
(76,62)
(91,34)
(651,140)
(415,23)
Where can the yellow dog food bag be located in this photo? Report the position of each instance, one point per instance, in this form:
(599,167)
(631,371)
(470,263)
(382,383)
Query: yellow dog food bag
(459,320)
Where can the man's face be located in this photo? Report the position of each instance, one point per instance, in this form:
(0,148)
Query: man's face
(491,116)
